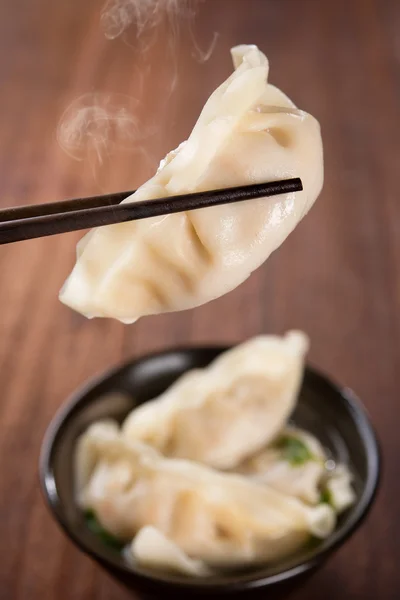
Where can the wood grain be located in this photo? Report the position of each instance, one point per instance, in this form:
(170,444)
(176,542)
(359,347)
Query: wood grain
(336,277)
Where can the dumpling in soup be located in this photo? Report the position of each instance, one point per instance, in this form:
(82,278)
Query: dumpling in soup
(225,412)
(338,488)
(294,463)
(221,519)
(248,132)
(153,550)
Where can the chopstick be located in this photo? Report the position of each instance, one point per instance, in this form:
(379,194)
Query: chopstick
(51,208)
(28,222)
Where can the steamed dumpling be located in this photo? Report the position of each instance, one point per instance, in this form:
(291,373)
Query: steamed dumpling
(248,132)
(293,464)
(339,489)
(153,550)
(296,463)
(225,412)
(221,519)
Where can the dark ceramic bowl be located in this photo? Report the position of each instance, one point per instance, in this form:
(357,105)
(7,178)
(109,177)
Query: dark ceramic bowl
(333,414)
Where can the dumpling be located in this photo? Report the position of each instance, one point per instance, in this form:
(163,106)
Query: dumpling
(88,450)
(293,464)
(248,132)
(152,549)
(221,414)
(338,488)
(220,519)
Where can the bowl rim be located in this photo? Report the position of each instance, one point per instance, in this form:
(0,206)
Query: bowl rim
(358,413)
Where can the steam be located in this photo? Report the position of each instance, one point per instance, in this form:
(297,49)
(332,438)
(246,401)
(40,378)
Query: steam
(97,125)
(117,15)
(147,15)
(200,55)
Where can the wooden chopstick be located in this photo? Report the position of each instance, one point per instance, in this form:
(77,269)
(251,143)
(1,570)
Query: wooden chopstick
(83,213)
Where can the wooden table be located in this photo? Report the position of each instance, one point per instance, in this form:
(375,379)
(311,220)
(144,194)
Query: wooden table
(337,277)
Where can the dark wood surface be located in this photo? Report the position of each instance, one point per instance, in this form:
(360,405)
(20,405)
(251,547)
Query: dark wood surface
(337,277)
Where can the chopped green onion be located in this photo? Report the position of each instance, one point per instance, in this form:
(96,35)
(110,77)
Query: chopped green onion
(95,527)
(325,497)
(294,450)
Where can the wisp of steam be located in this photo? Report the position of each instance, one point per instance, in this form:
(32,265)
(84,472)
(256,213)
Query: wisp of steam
(118,15)
(96,125)
(99,122)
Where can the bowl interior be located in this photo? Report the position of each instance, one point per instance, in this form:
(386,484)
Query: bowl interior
(332,414)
